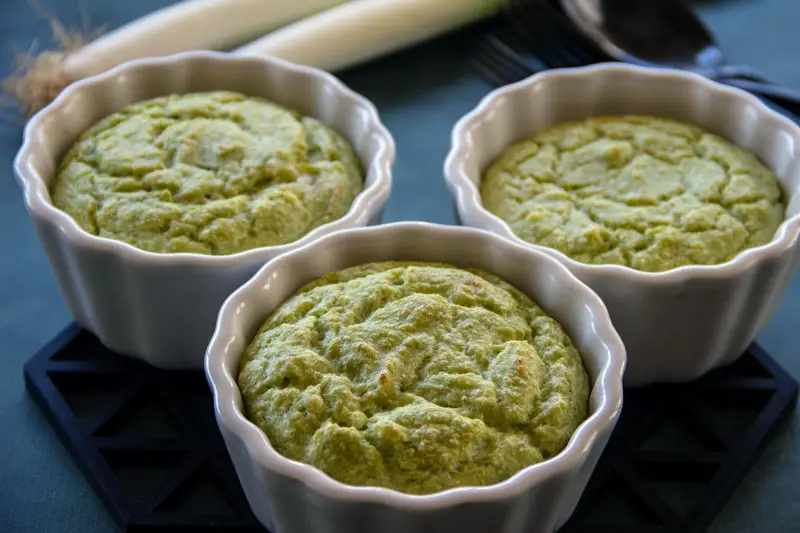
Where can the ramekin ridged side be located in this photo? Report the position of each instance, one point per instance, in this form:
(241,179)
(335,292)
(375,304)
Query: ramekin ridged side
(289,496)
(676,325)
(162,307)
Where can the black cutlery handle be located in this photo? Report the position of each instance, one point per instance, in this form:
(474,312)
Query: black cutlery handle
(787,98)
(742,72)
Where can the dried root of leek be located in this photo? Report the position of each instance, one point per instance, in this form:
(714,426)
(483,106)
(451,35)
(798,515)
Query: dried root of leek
(180,27)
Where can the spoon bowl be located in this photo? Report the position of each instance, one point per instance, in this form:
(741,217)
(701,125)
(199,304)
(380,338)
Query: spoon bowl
(667,33)
(651,33)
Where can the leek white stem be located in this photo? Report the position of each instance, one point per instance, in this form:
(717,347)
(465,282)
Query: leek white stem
(188,25)
(362,30)
(184,26)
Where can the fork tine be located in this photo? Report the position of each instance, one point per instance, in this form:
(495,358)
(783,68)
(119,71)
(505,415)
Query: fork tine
(542,20)
(487,69)
(527,19)
(505,68)
(513,46)
(498,65)
(550,34)
(577,42)
(523,68)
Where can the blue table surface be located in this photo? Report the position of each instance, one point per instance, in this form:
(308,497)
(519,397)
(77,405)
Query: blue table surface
(421,93)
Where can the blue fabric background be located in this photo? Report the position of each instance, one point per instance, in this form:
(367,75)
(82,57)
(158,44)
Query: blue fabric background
(420,93)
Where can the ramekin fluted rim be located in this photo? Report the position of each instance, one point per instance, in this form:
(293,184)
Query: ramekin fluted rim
(467,194)
(608,385)
(35,188)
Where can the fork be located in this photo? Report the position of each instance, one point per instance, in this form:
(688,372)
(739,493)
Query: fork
(540,28)
(544,31)
(499,64)
(550,35)
(570,46)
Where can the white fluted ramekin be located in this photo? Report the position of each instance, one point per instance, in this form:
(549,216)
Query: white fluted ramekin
(678,324)
(291,497)
(162,307)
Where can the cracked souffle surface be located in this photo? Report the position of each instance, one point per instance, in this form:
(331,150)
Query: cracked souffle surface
(210,173)
(644,192)
(413,376)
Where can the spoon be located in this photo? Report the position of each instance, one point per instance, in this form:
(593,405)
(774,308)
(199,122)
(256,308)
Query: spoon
(667,33)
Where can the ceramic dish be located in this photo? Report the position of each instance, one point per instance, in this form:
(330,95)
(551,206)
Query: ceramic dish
(161,307)
(677,324)
(289,496)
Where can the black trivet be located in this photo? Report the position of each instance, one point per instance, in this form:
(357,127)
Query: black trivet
(146,439)
(148,443)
